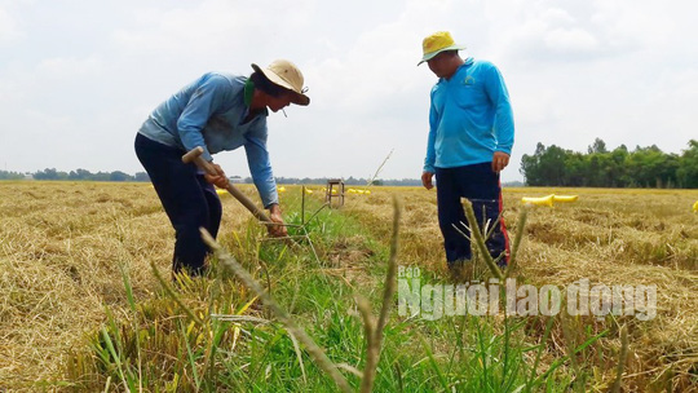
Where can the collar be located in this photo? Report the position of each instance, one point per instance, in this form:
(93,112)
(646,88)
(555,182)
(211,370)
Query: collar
(466,63)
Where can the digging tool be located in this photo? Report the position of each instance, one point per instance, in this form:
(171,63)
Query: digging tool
(194,155)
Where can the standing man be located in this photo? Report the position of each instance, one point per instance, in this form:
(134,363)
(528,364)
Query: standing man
(218,112)
(471,133)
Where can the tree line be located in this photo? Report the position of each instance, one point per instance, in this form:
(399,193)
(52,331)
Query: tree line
(118,176)
(647,167)
(76,175)
(8,175)
(644,167)
(351,181)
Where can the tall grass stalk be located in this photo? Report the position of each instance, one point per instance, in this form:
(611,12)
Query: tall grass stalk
(374,333)
(479,239)
(373,328)
(478,236)
(380,168)
(315,352)
(622,358)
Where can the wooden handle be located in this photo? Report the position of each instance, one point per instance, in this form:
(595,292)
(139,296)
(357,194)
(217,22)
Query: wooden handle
(194,155)
(247,202)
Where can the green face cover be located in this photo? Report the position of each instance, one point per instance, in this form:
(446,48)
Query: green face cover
(248,92)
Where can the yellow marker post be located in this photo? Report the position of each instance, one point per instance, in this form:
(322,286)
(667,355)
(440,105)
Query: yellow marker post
(358,191)
(565,198)
(542,201)
(549,200)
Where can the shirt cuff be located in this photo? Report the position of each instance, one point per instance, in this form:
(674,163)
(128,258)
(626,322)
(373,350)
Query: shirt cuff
(206,155)
(503,149)
(270,199)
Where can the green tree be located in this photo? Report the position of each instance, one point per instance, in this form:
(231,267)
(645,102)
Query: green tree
(643,167)
(141,176)
(545,167)
(80,174)
(575,170)
(617,172)
(50,174)
(651,167)
(599,146)
(8,175)
(119,176)
(687,171)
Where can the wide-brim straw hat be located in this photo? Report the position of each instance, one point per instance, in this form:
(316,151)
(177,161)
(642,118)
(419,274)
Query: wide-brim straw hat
(436,43)
(285,74)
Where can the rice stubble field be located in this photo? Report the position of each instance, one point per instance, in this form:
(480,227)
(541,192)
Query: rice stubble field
(66,245)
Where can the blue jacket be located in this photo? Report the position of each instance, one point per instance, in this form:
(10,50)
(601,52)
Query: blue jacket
(470,117)
(209,113)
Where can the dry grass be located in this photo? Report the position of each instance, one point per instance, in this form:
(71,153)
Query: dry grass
(62,245)
(614,237)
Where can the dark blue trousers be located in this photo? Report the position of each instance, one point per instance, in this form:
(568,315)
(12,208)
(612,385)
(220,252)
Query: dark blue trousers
(189,201)
(479,184)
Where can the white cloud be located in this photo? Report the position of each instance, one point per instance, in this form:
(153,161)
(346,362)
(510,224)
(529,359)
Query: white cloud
(619,69)
(557,17)
(210,27)
(45,121)
(8,91)
(641,23)
(70,67)
(571,41)
(10,31)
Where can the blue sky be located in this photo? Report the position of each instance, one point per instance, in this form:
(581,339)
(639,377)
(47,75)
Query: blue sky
(78,78)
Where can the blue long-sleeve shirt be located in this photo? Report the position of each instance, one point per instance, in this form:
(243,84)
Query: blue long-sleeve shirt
(470,117)
(210,113)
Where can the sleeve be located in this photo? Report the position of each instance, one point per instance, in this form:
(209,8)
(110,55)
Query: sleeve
(431,139)
(260,167)
(504,116)
(206,99)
